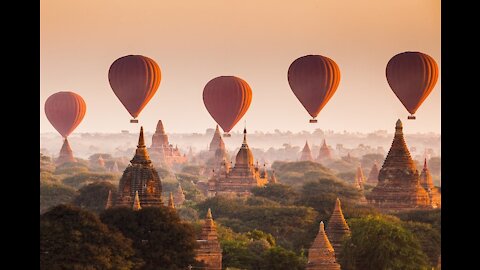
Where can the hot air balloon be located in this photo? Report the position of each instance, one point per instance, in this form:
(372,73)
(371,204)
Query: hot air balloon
(412,76)
(227,99)
(134,80)
(313,79)
(65,111)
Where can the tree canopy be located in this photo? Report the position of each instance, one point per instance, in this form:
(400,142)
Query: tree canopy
(159,237)
(94,196)
(71,238)
(379,242)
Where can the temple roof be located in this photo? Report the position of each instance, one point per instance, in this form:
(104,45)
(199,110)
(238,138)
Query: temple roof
(66,153)
(425,177)
(171,203)
(160,129)
(136,203)
(141,154)
(217,137)
(306,153)
(321,254)
(398,155)
(244,155)
(373,175)
(337,227)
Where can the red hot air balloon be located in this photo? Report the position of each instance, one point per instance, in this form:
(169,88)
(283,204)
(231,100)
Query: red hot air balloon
(134,80)
(412,76)
(227,99)
(313,79)
(65,111)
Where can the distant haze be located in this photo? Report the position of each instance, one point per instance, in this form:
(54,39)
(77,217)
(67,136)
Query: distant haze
(194,41)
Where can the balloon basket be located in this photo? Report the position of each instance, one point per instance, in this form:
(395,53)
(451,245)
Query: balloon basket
(313,121)
(411,117)
(133,120)
(227,135)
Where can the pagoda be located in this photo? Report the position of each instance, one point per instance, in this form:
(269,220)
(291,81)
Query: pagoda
(239,179)
(398,186)
(216,140)
(337,229)
(306,153)
(321,255)
(324,153)
(273,179)
(209,251)
(66,154)
(171,203)
(161,151)
(179,197)
(359,178)
(140,177)
(373,175)
(427,183)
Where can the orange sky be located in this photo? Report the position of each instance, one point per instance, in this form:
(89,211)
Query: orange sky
(194,41)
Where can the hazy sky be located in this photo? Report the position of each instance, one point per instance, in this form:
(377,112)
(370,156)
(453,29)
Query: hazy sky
(194,41)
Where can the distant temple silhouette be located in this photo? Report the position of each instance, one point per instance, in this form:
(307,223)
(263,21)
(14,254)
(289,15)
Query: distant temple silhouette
(240,179)
(161,151)
(306,154)
(66,154)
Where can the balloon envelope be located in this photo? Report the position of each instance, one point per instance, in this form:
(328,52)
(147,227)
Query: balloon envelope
(313,79)
(412,76)
(65,111)
(227,99)
(134,80)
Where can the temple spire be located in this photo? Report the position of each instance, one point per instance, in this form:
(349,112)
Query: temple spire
(160,129)
(141,154)
(136,203)
(66,153)
(209,214)
(306,153)
(337,228)
(141,140)
(109,203)
(321,255)
(171,204)
(244,136)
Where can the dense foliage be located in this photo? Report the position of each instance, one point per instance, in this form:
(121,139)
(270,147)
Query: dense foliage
(94,196)
(71,238)
(379,242)
(159,237)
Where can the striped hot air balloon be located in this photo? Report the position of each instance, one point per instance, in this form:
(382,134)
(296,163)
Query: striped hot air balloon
(313,79)
(227,99)
(412,76)
(65,110)
(134,79)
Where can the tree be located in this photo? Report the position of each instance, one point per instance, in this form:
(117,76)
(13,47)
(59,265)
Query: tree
(428,238)
(81,179)
(368,160)
(94,196)
(159,237)
(71,168)
(52,194)
(432,217)
(278,258)
(71,238)
(276,192)
(379,242)
(321,195)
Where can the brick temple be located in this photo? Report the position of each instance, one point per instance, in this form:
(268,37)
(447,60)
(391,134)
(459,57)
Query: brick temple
(239,179)
(399,185)
(321,255)
(306,154)
(140,179)
(66,154)
(209,251)
(161,151)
